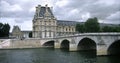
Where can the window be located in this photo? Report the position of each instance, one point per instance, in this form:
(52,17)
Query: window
(50,34)
(69,29)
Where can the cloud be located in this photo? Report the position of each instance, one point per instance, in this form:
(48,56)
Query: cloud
(10,8)
(24,24)
(87,8)
(21,12)
(114,18)
(20,8)
(61,3)
(18,12)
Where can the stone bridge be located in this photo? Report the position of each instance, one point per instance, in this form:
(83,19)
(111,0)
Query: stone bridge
(103,43)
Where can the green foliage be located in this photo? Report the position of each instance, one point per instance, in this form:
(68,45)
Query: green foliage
(4,30)
(80,28)
(106,29)
(110,29)
(92,25)
(117,29)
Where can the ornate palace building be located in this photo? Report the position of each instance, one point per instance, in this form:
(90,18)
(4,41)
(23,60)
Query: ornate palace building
(45,25)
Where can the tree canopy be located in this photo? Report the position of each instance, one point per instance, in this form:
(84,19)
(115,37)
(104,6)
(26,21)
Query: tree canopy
(4,30)
(92,25)
(111,29)
(80,28)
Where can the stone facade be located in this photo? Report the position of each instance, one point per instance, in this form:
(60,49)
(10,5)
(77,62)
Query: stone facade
(17,33)
(65,27)
(45,25)
(25,34)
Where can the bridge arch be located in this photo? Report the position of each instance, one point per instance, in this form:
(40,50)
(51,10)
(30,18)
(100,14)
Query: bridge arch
(86,44)
(65,44)
(49,43)
(113,49)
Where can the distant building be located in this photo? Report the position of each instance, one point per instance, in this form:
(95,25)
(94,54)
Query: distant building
(25,34)
(45,25)
(17,33)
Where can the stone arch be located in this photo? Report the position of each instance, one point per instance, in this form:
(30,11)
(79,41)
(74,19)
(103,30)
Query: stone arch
(65,44)
(86,44)
(113,49)
(49,43)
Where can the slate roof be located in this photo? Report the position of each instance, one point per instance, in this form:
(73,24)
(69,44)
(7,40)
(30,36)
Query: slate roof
(73,23)
(43,11)
(66,23)
(111,25)
(16,28)
(26,31)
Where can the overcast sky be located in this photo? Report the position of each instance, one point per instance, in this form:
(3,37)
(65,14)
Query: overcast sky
(21,12)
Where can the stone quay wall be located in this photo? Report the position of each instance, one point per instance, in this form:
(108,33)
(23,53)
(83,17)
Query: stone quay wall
(17,43)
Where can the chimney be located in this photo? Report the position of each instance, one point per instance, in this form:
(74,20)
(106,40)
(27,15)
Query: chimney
(46,5)
(39,6)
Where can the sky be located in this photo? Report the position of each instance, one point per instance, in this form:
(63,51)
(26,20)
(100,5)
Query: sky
(21,12)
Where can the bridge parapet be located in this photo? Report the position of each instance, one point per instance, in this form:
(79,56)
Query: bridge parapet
(91,34)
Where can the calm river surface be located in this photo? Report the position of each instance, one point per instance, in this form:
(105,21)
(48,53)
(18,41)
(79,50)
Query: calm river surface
(49,55)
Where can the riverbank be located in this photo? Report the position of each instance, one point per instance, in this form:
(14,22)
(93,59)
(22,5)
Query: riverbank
(17,43)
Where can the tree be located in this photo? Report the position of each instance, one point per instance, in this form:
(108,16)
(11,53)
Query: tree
(92,25)
(4,30)
(110,29)
(1,31)
(80,28)
(106,29)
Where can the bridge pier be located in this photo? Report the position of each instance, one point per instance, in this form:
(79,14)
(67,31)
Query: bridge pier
(56,45)
(72,47)
(101,50)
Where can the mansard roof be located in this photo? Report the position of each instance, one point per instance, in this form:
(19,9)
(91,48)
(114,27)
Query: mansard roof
(66,23)
(73,23)
(26,31)
(16,29)
(43,11)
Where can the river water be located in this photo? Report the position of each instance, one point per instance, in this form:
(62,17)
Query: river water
(50,55)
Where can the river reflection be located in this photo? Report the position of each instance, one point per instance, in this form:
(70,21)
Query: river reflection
(50,55)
